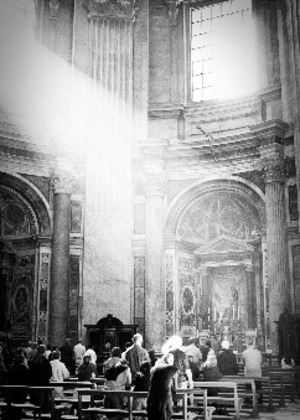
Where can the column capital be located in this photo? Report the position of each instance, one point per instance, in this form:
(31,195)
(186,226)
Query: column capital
(173,8)
(110,9)
(272,162)
(62,180)
(53,7)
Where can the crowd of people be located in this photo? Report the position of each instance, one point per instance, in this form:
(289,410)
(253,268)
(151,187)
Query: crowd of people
(134,368)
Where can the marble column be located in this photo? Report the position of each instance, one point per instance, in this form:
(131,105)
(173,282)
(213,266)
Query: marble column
(273,166)
(155,296)
(59,284)
(289,43)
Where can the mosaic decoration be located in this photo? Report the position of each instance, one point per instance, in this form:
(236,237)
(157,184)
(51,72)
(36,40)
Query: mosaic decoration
(76,216)
(169,295)
(16,219)
(21,292)
(74,275)
(43,291)
(139,293)
(215,215)
(293,203)
(187,279)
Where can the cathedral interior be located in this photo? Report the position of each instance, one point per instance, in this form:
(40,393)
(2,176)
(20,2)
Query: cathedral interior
(150,169)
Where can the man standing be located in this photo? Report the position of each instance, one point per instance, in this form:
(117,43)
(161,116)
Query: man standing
(252,361)
(79,350)
(136,355)
(252,365)
(67,356)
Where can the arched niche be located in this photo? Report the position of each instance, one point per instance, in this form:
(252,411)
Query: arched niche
(25,234)
(210,230)
(242,193)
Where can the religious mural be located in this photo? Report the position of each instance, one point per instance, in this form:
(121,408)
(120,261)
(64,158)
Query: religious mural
(214,215)
(15,216)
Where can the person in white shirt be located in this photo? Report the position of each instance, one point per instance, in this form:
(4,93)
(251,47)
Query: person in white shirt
(59,372)
(79,351)
(93,356)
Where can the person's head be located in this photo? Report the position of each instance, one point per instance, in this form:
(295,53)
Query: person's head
(86,359)
(56,355)
(138,339)
(168,358)
(41,349)
(287,360)
(250,343)
(127,345)
(19,360)
(80,340)
(211,361)
(225,344)
(116,352)
(68,340)
(192,340)
(145,368)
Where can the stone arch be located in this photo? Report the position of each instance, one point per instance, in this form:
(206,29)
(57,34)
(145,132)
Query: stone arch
(32,198)
(241,187)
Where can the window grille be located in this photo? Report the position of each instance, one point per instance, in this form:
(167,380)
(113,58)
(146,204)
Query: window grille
(222,50)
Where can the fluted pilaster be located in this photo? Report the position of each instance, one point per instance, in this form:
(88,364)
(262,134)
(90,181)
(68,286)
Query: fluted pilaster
(155,281)
(273,165)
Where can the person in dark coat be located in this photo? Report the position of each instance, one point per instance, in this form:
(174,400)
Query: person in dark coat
(40,372)
(226,360)
(159,402)
(18,375)
(142,383)
(86,370)
(67,356)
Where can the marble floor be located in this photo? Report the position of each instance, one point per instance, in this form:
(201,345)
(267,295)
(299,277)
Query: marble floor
(290,412)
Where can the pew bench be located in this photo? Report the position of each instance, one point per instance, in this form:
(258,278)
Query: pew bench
(284,383)
(251,395)
(232,403)
(12,394)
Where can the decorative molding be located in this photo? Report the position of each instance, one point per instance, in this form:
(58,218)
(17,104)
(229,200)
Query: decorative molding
(53,7)
(173,8)
(110,9)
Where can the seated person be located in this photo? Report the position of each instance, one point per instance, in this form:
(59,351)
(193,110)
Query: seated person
(287,362)
(59,373)
(118,377)
(87,370)
(142,383)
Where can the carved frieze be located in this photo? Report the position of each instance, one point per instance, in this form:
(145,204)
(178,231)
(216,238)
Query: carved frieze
(115,9)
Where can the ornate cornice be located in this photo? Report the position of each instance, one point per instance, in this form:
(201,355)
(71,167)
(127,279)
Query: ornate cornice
(110,9)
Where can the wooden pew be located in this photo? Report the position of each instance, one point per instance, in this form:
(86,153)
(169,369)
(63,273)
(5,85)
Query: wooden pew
(242,381)
(12,394)
(285,383)
(181,411)
(266,388)
(233,401)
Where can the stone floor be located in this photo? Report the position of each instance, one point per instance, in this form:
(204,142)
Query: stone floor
(290,412)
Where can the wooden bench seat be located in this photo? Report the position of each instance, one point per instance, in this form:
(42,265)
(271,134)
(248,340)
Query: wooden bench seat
(234,401)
